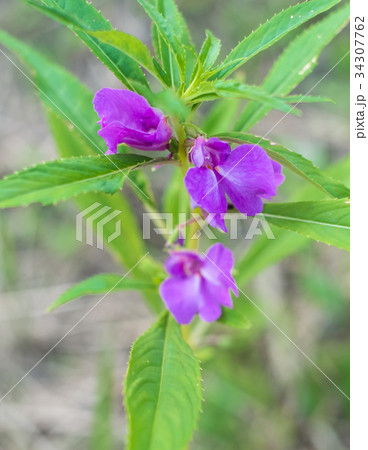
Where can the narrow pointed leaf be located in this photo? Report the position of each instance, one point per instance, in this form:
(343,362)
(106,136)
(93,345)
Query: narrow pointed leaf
(293,161)
(270,32)
(64,96)
(82,18)
(264,252)
(141,186)
(101,284)
(209,51)
(128,248)
(295,63)
(129,45)
(249,92)
(61,179)
(326,221)
(167,33)
(170,11)
(307,99)
(162,389)
(61,92)
(139,182)
(165,65)
(221,117)
(213,90)
(238,317)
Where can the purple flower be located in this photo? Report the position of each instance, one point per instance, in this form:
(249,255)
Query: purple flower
(127,118)
(198,283)
(245,175)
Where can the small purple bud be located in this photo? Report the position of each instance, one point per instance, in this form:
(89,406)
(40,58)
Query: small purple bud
(181,239)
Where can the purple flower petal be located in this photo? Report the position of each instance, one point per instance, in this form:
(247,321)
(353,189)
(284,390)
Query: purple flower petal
(196,152)
(209,308)
(216,220)
(208,153)
(277,170)
(121,105)
(180,296)
(203,188)
(247,175)
(221,256)
(198,285)
(222,148)
(278,176)
(212,298)
(218,265)
(127,118)
(183,263)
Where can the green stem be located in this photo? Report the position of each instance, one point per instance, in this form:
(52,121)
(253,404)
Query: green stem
(182,153)
(191,242)
(194,226)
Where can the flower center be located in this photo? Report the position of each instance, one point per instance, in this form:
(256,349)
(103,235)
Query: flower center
(146,124)
(192,267)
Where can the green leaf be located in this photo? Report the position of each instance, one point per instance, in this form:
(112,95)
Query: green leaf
(163,377)
(169,10)
(61,92)
(129,45)
(82,18)
(139,181)
(295,63)
(213,90)
(255,93)
(171,104)
(101,284)
(325,220)
(209,51)
(221,117)
(129,247)
(238,317)
(169,71)
(270,32)
(301,98)
(204,61)
(76,134)
(142,187)
(58,180)
(300,57)
(293,161)
(264,252)
(168,35)
(161,73)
